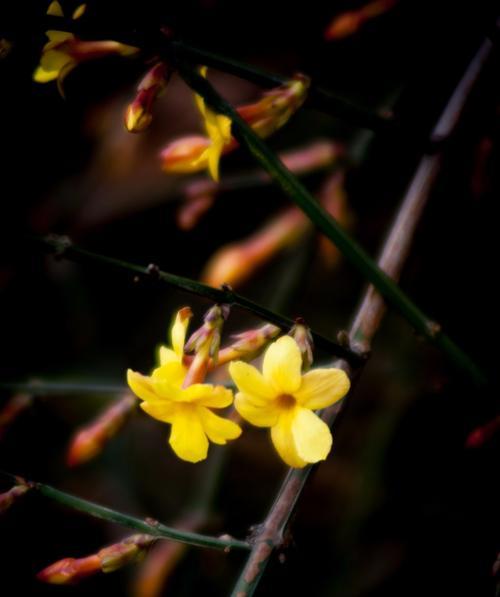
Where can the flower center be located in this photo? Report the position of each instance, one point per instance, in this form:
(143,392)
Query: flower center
(286,401)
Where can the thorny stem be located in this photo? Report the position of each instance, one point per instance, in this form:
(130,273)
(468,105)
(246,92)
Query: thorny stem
(328,225)
(63,247)
(365,323)
(151,527)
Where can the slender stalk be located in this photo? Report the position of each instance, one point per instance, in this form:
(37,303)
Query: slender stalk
(364,327)
(151,527)
(327,224)
(62,247)
(56,388)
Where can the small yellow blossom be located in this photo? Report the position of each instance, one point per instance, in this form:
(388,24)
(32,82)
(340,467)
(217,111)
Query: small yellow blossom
(283,399)
(218,128)
(55,9)
(188,410)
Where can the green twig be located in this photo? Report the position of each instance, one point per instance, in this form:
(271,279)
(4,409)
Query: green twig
(63,247)
(328,225)
(151,527)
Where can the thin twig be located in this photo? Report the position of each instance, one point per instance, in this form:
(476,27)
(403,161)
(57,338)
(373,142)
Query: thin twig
(365,323)
(151,527)
(63,247)
(328,225)
(56,388)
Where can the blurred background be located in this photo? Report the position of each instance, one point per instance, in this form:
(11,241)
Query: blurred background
(400,507)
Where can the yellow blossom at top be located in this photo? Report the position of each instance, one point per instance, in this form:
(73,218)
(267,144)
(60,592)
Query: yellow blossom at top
(177,339)
(218,128)
(284,399)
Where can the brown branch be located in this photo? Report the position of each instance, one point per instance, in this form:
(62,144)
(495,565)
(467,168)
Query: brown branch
(367,318)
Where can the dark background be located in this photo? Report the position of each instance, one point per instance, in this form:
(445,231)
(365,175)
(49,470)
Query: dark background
(400,507)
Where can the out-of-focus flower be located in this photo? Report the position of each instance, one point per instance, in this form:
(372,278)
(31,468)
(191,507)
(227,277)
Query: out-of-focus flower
(348,23)
(108,559)
(283,399)
(138,115)
(63,52)
(12,495)
(193,154)
(89,441)
(174,394)
(234,263)
(12,409)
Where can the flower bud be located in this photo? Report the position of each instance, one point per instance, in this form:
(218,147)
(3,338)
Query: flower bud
(138,115)
(12,409)
(302,335)
(89,441)
(127,551)
(12,495)
(70,570)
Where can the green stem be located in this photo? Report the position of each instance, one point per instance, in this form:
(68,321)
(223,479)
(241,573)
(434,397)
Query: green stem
(151,527)
(62,247)
(328,225)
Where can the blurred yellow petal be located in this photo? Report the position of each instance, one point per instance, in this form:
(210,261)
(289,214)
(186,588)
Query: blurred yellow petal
(256,413)
(251,381)
(79,11)
(311,435)
(282,365)
(206,394)
(55,9)
(166,355)
(54,60)
(141,385)
(179,329)
(163,410)
(218,429)
(188,438)
(322,387)
(283,441)
(44,76)
(56,36)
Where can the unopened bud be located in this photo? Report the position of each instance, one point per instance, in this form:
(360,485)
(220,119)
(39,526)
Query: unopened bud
(108,559)
(302,335)
(14,407)
(12,495)
(138,115)
(90,440)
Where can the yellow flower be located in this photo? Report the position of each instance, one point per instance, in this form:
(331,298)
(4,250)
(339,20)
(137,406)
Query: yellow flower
(63,52)
(188,410)
(283,399)
(218,128)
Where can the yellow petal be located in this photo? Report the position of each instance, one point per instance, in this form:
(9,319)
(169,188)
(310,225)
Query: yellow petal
(79,11)
(188,438)
(218,429)
(166,355)
(259,414)
(322,387)
(58,36)
(163,410)
(141,386)
(54,60)
(209,395)
(311,435)
(44,76)
(179,329)
(172,372)
(55,9)
(282,365)
(281,435)
(250,381)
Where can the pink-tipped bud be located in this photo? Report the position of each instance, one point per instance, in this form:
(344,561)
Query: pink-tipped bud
(14,407)
(90,440)
(302,335)
(138,115)
(481,435)
(248,344)
(205,343)
(70,570)
(235,263)
(108,559)
(8,498)
(349,23)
